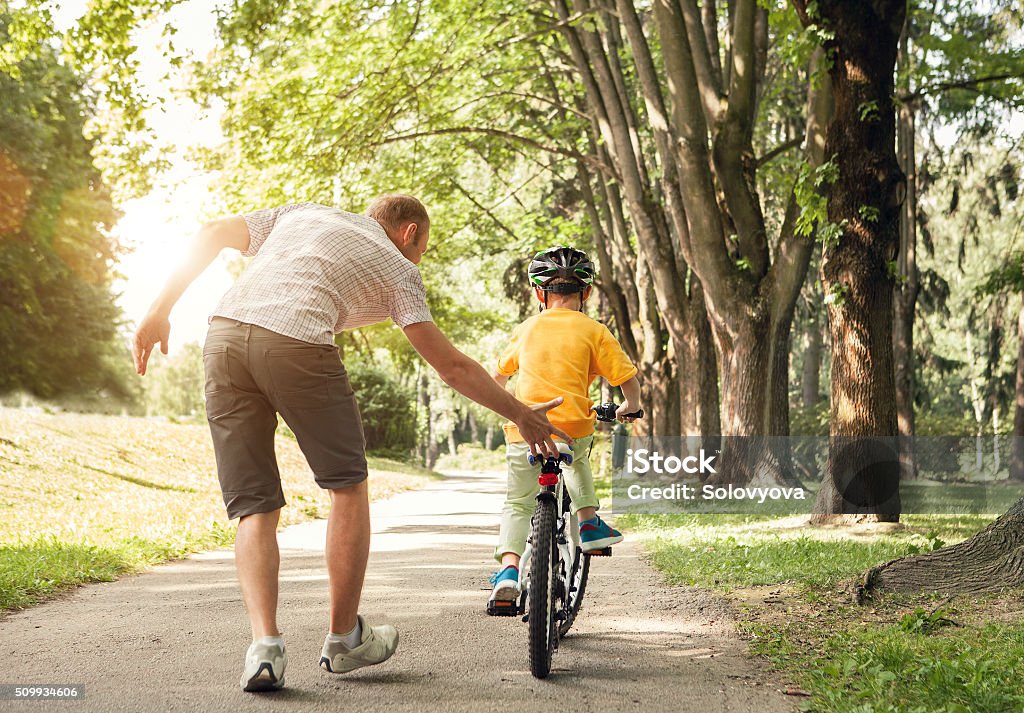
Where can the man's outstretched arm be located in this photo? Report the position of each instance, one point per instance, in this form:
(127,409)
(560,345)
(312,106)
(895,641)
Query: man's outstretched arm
(472,381)
(211,239)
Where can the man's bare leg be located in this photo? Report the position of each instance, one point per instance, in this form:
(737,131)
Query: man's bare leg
(347,549)
(257,560)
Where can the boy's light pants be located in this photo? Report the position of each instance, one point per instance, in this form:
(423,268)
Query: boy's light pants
(521,496)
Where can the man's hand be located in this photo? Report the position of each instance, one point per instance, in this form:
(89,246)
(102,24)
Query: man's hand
(536,430)
(211,239)
(154,328)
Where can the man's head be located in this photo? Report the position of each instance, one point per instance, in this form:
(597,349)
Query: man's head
(562,277)
(406,222)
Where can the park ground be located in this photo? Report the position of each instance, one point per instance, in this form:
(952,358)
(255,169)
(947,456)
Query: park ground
(88,498)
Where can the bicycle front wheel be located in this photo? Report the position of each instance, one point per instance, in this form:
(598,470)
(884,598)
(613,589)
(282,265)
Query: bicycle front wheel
(542,590)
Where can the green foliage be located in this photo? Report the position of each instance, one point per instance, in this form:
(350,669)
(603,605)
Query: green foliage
(846,657)
(174,386)
(868,111)
(836,296)
(1007,277)
(853,668)
(967,62)
(58,321)
(728,551)
(31,571)
(386,408)
(932,542)
(922,621)
(869,214)
(971,283)
(809,191)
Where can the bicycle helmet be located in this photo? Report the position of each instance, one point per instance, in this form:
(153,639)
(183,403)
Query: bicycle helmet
(564,262)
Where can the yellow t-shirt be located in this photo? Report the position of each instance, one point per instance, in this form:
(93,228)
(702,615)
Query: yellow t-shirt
(558,353)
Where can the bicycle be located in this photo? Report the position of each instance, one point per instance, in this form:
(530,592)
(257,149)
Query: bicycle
(554,568)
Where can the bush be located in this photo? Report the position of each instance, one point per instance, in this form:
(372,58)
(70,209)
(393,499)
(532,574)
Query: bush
(386,407)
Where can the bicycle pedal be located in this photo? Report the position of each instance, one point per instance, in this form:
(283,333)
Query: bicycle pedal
(500,607)
(606,552)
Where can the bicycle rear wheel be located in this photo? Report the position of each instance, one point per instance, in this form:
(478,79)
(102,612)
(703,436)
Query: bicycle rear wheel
(577,587)
(543,589)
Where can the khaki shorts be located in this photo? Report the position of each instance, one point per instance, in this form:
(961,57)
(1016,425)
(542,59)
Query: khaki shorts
(253,374)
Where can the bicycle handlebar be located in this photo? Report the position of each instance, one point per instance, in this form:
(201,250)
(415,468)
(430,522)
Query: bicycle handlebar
(606,412)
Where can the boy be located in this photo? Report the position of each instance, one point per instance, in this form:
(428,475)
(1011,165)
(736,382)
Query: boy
(558,353)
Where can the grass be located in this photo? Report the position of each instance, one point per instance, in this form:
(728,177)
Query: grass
(86,498)
(730,551)
(899,654)
(848,667)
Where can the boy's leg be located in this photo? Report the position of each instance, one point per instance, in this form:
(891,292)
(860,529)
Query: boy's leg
(595,534)
(579,480)
(520,502)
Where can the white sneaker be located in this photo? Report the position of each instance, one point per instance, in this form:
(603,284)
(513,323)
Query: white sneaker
(377,645)
(264,667)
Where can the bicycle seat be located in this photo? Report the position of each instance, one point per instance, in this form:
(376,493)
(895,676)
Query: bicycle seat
(564,454)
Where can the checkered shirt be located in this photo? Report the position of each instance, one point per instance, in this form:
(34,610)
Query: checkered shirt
(318,271)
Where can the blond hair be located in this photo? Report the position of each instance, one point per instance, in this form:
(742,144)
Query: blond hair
(393,210)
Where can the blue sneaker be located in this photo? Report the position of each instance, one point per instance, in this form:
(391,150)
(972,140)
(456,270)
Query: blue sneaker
(506,585)
(596,535)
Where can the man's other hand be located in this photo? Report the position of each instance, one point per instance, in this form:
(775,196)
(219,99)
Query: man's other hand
(536,430)
(154,328)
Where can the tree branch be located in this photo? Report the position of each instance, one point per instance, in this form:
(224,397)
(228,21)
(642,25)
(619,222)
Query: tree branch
(553,24)
(779,150)
(502,134)
(962,84)
(484,209)
(709,82)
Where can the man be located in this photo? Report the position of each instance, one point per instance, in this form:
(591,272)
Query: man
(270,349)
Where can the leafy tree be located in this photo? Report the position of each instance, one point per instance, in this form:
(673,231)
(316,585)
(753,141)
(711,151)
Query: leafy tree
(959,66)
(58,321)
(857,260)
(386,408)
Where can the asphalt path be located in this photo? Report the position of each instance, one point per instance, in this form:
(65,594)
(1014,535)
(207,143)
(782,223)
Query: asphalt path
(173,639)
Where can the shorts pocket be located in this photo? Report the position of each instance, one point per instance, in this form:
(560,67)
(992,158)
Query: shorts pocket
(217,391)
(305,377)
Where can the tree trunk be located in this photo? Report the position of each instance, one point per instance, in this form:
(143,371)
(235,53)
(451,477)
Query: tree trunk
(862,477)
(907,289)
(990,561)
(429,445)
(1017,459)
(810,381)
(699,407)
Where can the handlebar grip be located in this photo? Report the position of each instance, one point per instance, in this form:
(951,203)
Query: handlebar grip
(606,412)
